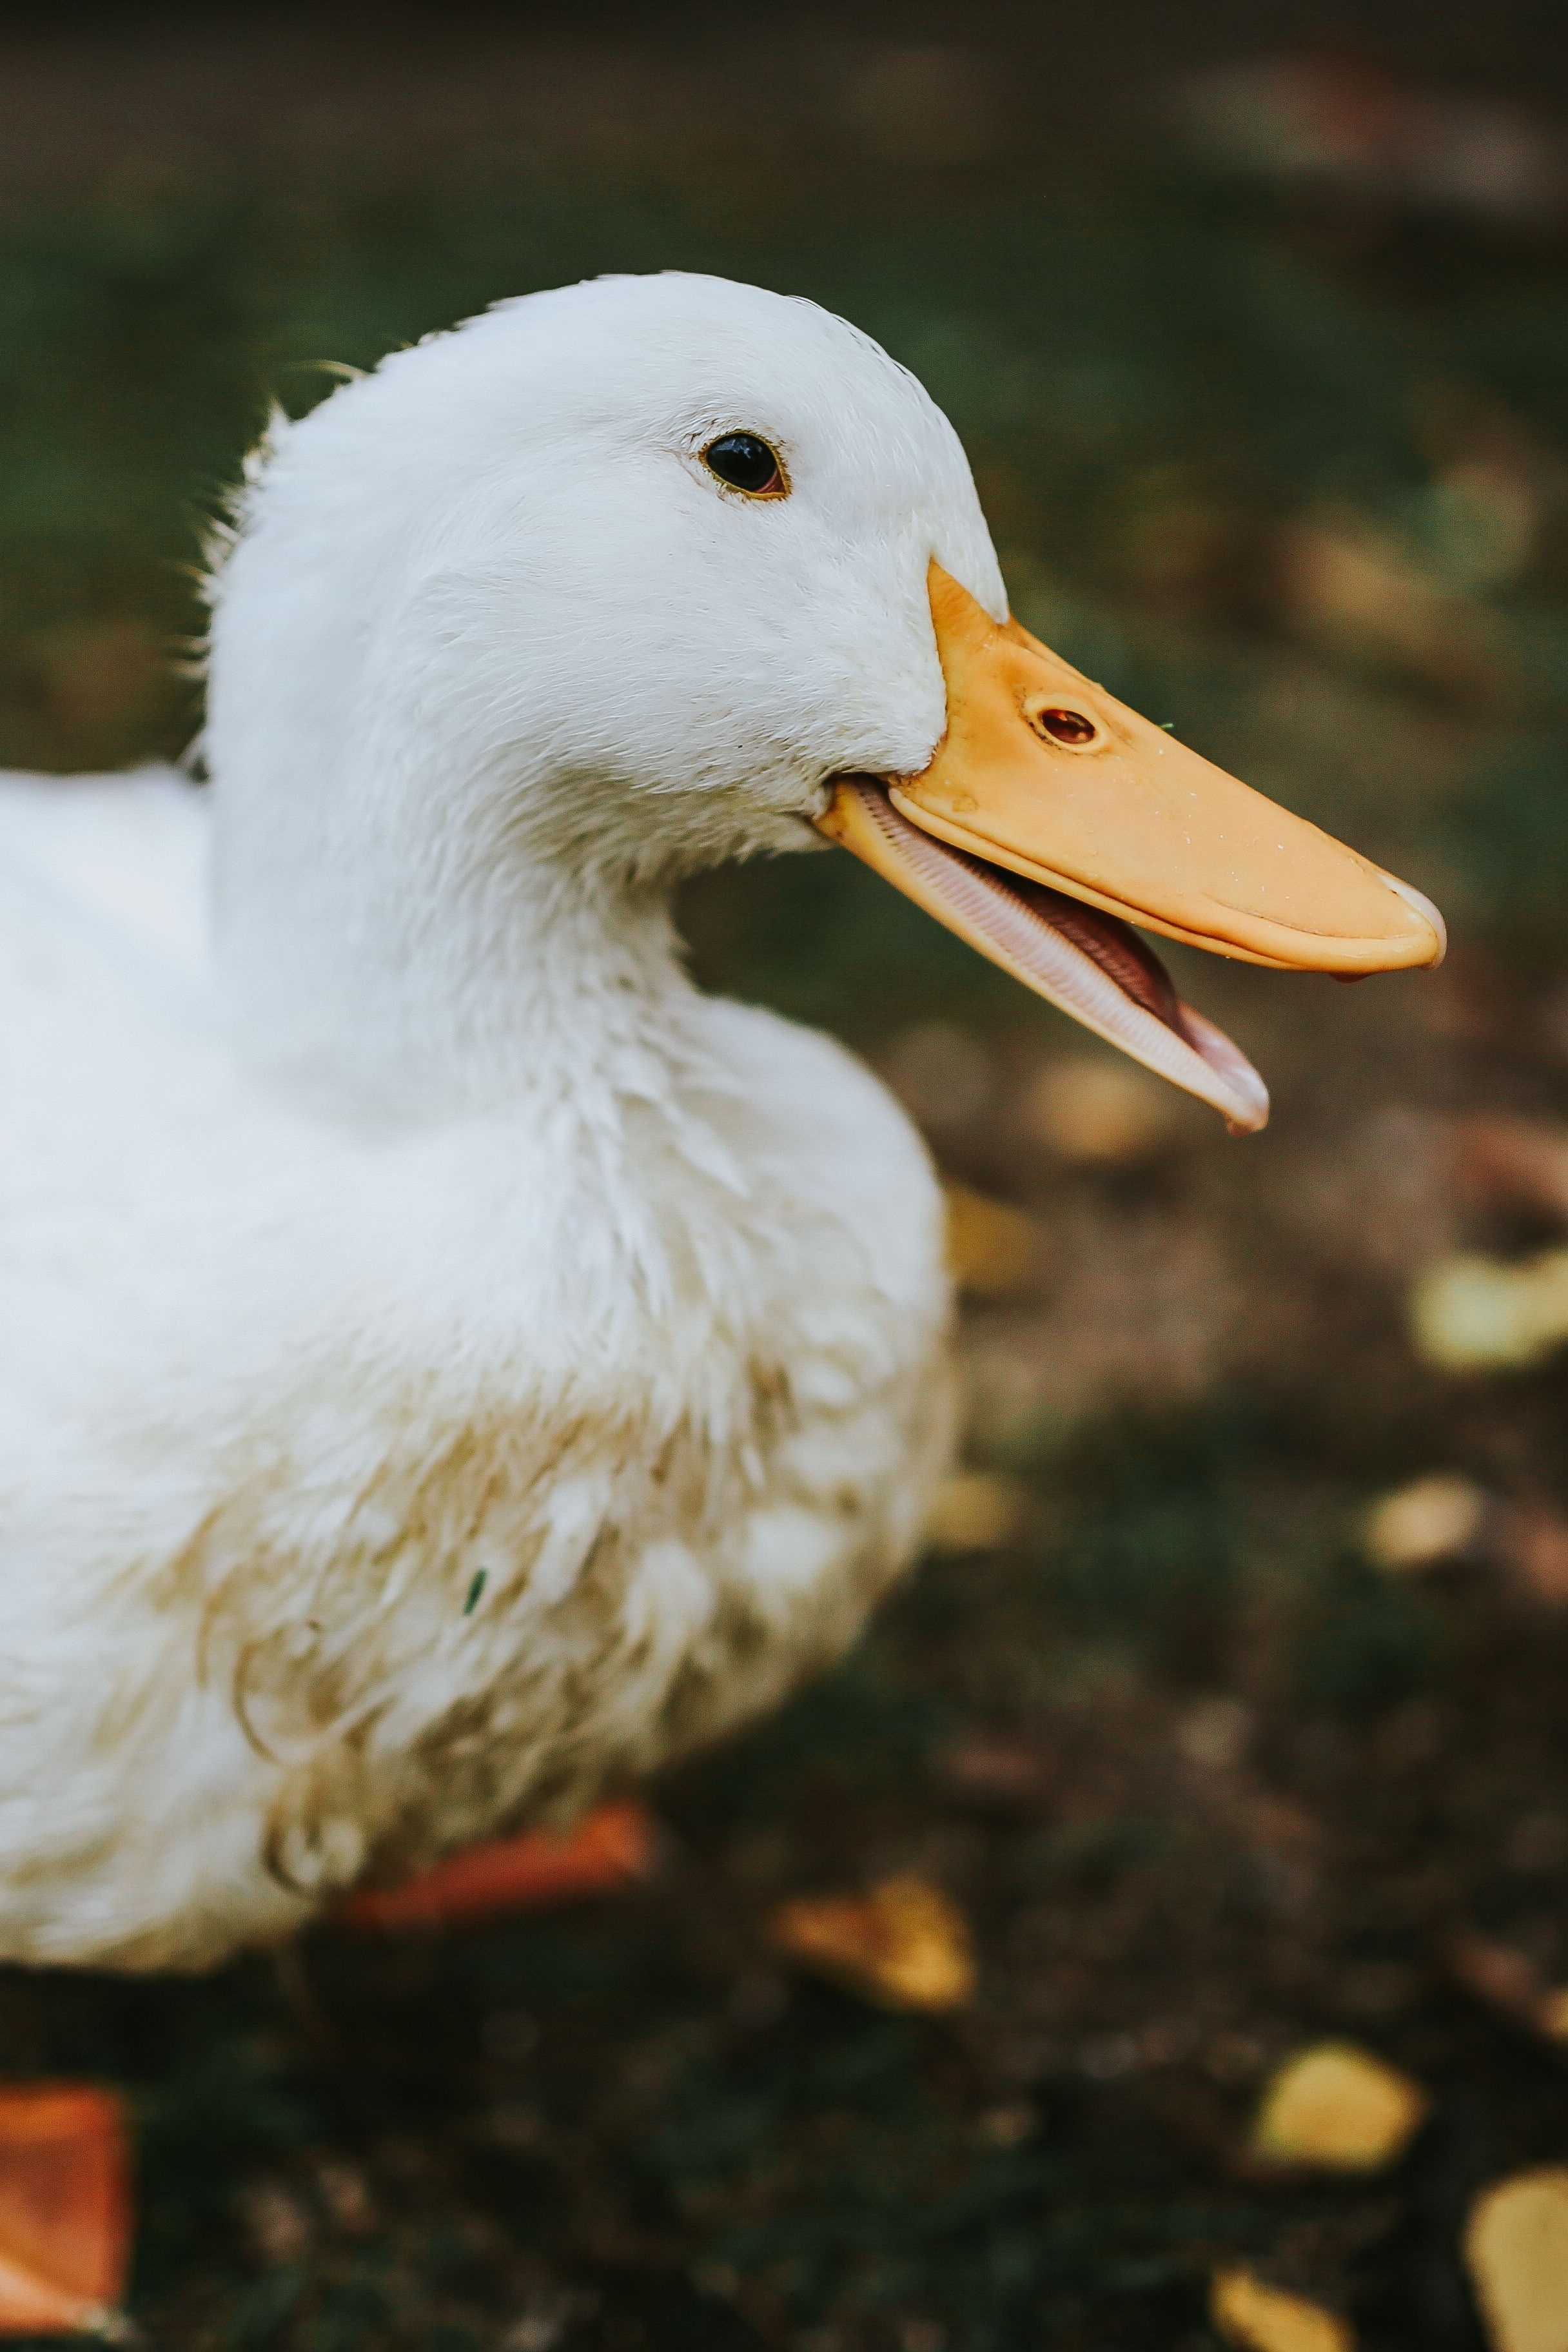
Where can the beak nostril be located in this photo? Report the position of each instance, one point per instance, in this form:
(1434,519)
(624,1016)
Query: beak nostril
(1065,726)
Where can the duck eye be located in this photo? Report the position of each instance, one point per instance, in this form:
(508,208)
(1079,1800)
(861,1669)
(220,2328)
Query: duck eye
(746,462)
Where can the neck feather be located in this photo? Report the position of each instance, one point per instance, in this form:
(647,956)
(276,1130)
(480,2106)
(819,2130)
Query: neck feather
(405,980)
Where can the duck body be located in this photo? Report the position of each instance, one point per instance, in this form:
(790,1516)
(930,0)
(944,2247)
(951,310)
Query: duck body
(368,1486)
(447,1363)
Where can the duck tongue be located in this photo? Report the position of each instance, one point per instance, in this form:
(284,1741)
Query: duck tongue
(1091,964)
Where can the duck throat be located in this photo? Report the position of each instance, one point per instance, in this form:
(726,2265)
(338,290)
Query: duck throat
(399,980)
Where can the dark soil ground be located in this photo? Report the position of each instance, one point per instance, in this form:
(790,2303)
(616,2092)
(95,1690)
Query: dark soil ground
(1208,1782)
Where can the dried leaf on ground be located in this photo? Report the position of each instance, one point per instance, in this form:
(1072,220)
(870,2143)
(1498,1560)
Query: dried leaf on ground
(1427,1521)
(1516,2245)
(1535,1550)
(974,1510)
(1514,1163)
(905,1945)
(993,1250)
(65,2209)
(1098,1114)
(344,2194)
(1509,1980)
(275,2222)
(1001,1775)
(1505,1979)
(1340,2108)
(1476,1314)
(1213,1732)
(1262,2318)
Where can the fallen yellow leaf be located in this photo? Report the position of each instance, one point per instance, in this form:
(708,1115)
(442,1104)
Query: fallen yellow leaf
(1516,2245)
(1425,1521)
(1340,2108)
(905,1945)
(1098,1114)
(992,1250)
(1265,2320)
(973,1510)
(1474,1314)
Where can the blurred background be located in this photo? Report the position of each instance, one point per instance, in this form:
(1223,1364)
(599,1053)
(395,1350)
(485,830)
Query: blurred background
(1228,1716)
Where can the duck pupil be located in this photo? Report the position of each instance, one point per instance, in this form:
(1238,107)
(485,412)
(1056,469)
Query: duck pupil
(1068,726)
(743,461)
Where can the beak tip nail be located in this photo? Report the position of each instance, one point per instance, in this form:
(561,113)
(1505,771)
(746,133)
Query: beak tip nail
(1419,904)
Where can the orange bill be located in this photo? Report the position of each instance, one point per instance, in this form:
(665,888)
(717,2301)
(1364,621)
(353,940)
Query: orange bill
(1051,819)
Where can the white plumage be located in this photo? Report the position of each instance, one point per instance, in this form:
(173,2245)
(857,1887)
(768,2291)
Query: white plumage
(389,1221)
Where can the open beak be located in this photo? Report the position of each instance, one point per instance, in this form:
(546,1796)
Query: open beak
(1051,818)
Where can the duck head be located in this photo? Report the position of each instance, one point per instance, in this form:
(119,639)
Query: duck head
(630,578)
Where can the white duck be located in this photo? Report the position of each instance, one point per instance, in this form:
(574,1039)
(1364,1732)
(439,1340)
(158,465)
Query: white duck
(447,1363)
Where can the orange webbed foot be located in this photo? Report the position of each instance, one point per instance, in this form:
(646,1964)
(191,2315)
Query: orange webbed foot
(611,1848)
